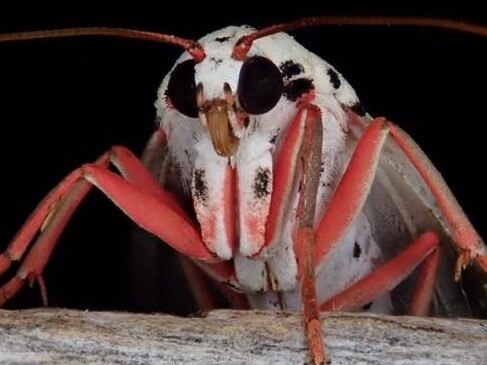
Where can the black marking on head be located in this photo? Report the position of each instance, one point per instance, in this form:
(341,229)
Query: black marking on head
(246,121)
(334,78)
(200,190)
(261,183)
(274,136)
(295,88)
(358,109)
(222,39)
(367,306)
(290,68)
(357,250)
(228,90)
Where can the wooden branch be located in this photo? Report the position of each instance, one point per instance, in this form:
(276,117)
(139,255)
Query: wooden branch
(59,336)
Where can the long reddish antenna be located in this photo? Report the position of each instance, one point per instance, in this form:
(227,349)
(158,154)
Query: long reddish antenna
(243,45)
(193,47)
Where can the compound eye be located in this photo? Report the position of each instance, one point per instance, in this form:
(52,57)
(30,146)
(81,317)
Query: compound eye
(181,89)
(260,85)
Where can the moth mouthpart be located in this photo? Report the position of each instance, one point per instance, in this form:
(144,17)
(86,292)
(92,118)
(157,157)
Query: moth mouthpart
(218,122)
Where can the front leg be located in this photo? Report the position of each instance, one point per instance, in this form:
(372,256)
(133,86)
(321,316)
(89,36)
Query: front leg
(309,162)
(300,162)
(136,193)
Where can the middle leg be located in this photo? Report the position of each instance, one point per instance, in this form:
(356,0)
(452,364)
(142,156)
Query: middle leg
(388,276)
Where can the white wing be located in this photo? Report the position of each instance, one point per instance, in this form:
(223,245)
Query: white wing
(400,207)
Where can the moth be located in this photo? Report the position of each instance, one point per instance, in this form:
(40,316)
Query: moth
(268,174)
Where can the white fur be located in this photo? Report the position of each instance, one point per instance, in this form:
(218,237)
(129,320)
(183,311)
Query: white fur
(253,155)
(188,141)
(208,161)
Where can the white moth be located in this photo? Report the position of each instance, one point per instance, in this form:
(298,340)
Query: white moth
(271,178)
(398,208)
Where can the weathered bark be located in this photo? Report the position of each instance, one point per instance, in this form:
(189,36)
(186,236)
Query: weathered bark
(58,336)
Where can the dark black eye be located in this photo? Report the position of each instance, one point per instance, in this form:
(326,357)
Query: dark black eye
(181,89)
(259,85)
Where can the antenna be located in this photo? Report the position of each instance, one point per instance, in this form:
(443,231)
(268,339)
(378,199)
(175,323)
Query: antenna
(193,47)
(243,45)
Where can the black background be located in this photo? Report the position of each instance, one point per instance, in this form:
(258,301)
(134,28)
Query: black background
(64,102)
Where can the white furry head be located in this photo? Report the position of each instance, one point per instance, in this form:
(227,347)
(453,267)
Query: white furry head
(304,75)
(215,103)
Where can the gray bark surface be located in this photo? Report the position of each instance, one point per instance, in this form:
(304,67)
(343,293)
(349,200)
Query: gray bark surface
(59,336)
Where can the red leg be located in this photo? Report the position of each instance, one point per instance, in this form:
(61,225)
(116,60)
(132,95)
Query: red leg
(38,221)
(310,158)
(464,234)
(283,181)
(135,172)
(423,293)
(147,204)
(301,159)
(345,204)
(388,276)
(353,189)
(127,164)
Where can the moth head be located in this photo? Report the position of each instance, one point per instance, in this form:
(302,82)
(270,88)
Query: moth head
(222,92)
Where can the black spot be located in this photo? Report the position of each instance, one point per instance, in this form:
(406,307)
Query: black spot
(294,89)
(200,190)
(227,89)
(261,183)
(217,61)
(290,68)
(275,135)
(334,78)
(246,121)
(367,306)
(222,39)
(357,250)
(358,109)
